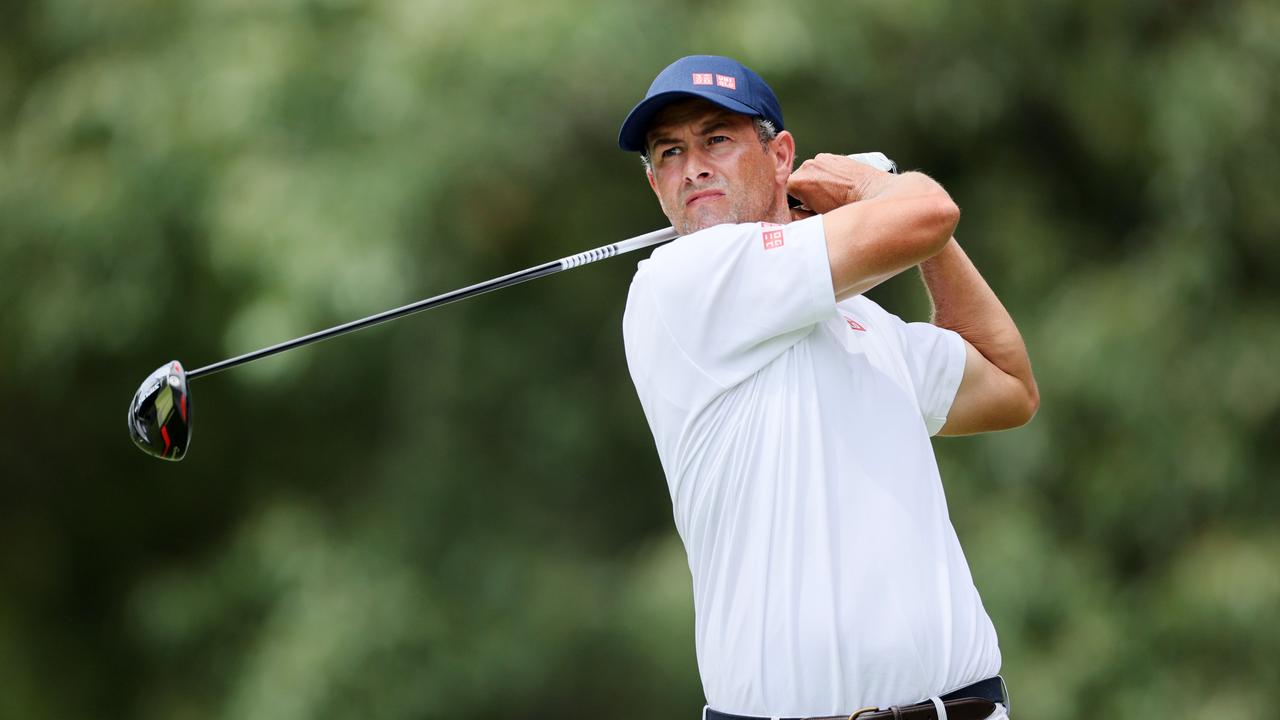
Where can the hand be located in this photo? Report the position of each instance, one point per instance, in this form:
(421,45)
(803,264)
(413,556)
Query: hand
(830,181)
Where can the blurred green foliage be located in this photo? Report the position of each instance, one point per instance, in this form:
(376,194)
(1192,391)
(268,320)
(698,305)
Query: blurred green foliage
(462,513)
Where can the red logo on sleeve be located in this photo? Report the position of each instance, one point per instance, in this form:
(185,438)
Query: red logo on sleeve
(702,79)
(772,239)
(854,324)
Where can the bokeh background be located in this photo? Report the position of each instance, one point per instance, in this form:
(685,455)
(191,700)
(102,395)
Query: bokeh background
(462,514)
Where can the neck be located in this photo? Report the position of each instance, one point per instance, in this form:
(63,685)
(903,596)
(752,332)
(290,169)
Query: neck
(780,211)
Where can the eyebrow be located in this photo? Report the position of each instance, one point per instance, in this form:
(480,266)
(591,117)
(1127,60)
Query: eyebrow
(706,128)
(712,126)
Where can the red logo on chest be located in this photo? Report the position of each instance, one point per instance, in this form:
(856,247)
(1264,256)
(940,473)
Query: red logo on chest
(854,324)
(772,239)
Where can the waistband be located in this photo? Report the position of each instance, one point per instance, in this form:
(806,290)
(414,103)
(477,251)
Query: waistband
(989,692)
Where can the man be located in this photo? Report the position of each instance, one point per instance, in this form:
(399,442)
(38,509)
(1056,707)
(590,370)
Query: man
(792,415)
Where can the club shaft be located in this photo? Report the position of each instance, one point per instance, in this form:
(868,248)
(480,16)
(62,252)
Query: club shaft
(550,268)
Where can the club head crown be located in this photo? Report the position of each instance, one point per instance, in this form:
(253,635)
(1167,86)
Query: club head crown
(160,414)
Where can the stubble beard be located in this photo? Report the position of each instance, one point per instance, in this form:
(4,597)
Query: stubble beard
(745,205)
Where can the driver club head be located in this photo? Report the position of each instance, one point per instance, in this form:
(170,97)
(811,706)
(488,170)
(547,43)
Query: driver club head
(160,414)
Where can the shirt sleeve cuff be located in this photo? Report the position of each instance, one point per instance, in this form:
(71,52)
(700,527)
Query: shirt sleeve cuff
(949,384)
(822,292)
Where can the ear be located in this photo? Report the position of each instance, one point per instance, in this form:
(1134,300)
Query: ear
(653,185)
(783,148)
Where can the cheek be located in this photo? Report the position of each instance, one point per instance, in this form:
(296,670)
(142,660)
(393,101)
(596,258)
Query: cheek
(668,181)
(759,175)
(658,182)
(668,194)
(671,197)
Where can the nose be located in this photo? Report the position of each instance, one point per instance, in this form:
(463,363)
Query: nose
(698,168)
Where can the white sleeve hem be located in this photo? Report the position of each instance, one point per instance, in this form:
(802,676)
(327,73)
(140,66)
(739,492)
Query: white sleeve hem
(950,383)
(824,292)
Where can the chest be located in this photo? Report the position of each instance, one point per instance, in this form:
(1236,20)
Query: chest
(870,351)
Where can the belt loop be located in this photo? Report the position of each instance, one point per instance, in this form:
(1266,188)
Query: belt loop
(937,705)
(704,711)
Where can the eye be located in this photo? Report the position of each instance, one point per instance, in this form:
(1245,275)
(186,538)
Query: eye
(670,152)
(717,139)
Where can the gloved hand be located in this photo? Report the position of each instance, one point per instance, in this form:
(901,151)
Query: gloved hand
(877,160)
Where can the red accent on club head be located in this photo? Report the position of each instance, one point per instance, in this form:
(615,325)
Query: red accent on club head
(164,433)
(182,407)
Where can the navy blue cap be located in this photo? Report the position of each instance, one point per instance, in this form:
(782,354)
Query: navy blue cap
(720,80)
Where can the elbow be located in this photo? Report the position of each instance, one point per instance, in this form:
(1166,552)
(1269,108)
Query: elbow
(938,218)
(1018,404)
(946,218)
(935,214)
(1028,407)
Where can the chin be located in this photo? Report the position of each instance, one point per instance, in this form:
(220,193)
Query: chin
(692,225)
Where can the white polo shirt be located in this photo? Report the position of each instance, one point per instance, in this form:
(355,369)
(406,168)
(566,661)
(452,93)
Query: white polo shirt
(794,434)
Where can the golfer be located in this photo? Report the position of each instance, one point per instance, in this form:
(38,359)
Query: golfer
(792,415)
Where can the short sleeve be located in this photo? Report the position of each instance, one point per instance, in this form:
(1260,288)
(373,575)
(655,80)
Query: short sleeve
(731,298)
(935,359)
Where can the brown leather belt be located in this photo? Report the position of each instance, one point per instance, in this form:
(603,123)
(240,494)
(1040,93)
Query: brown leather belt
(972,702)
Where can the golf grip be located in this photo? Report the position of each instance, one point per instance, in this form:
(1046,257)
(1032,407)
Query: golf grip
(550,268)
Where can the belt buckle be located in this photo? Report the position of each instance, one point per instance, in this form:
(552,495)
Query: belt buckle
(861,711)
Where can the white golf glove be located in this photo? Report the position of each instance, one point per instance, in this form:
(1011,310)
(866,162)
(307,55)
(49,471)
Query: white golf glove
(876,160)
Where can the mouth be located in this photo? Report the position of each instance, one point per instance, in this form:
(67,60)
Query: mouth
(703,196)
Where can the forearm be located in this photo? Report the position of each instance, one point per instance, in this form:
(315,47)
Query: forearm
(963,302)
(889,224)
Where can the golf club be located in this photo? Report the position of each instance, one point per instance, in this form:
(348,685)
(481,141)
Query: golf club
(160,413)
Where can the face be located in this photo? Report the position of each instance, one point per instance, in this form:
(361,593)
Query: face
(709,167)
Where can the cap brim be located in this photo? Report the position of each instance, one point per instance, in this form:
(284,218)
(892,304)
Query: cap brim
(632,135)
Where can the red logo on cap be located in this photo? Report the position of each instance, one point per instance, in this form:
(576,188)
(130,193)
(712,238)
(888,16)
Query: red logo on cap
(728,82)
(702,79)
(772,239)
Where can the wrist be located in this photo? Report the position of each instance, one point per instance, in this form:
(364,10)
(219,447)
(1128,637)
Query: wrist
(866,184)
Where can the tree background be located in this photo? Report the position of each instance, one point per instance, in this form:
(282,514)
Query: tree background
(462,513)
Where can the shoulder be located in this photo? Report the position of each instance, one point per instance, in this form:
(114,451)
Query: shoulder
(718,244)
(869,313)
(706,240)
(691,257)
